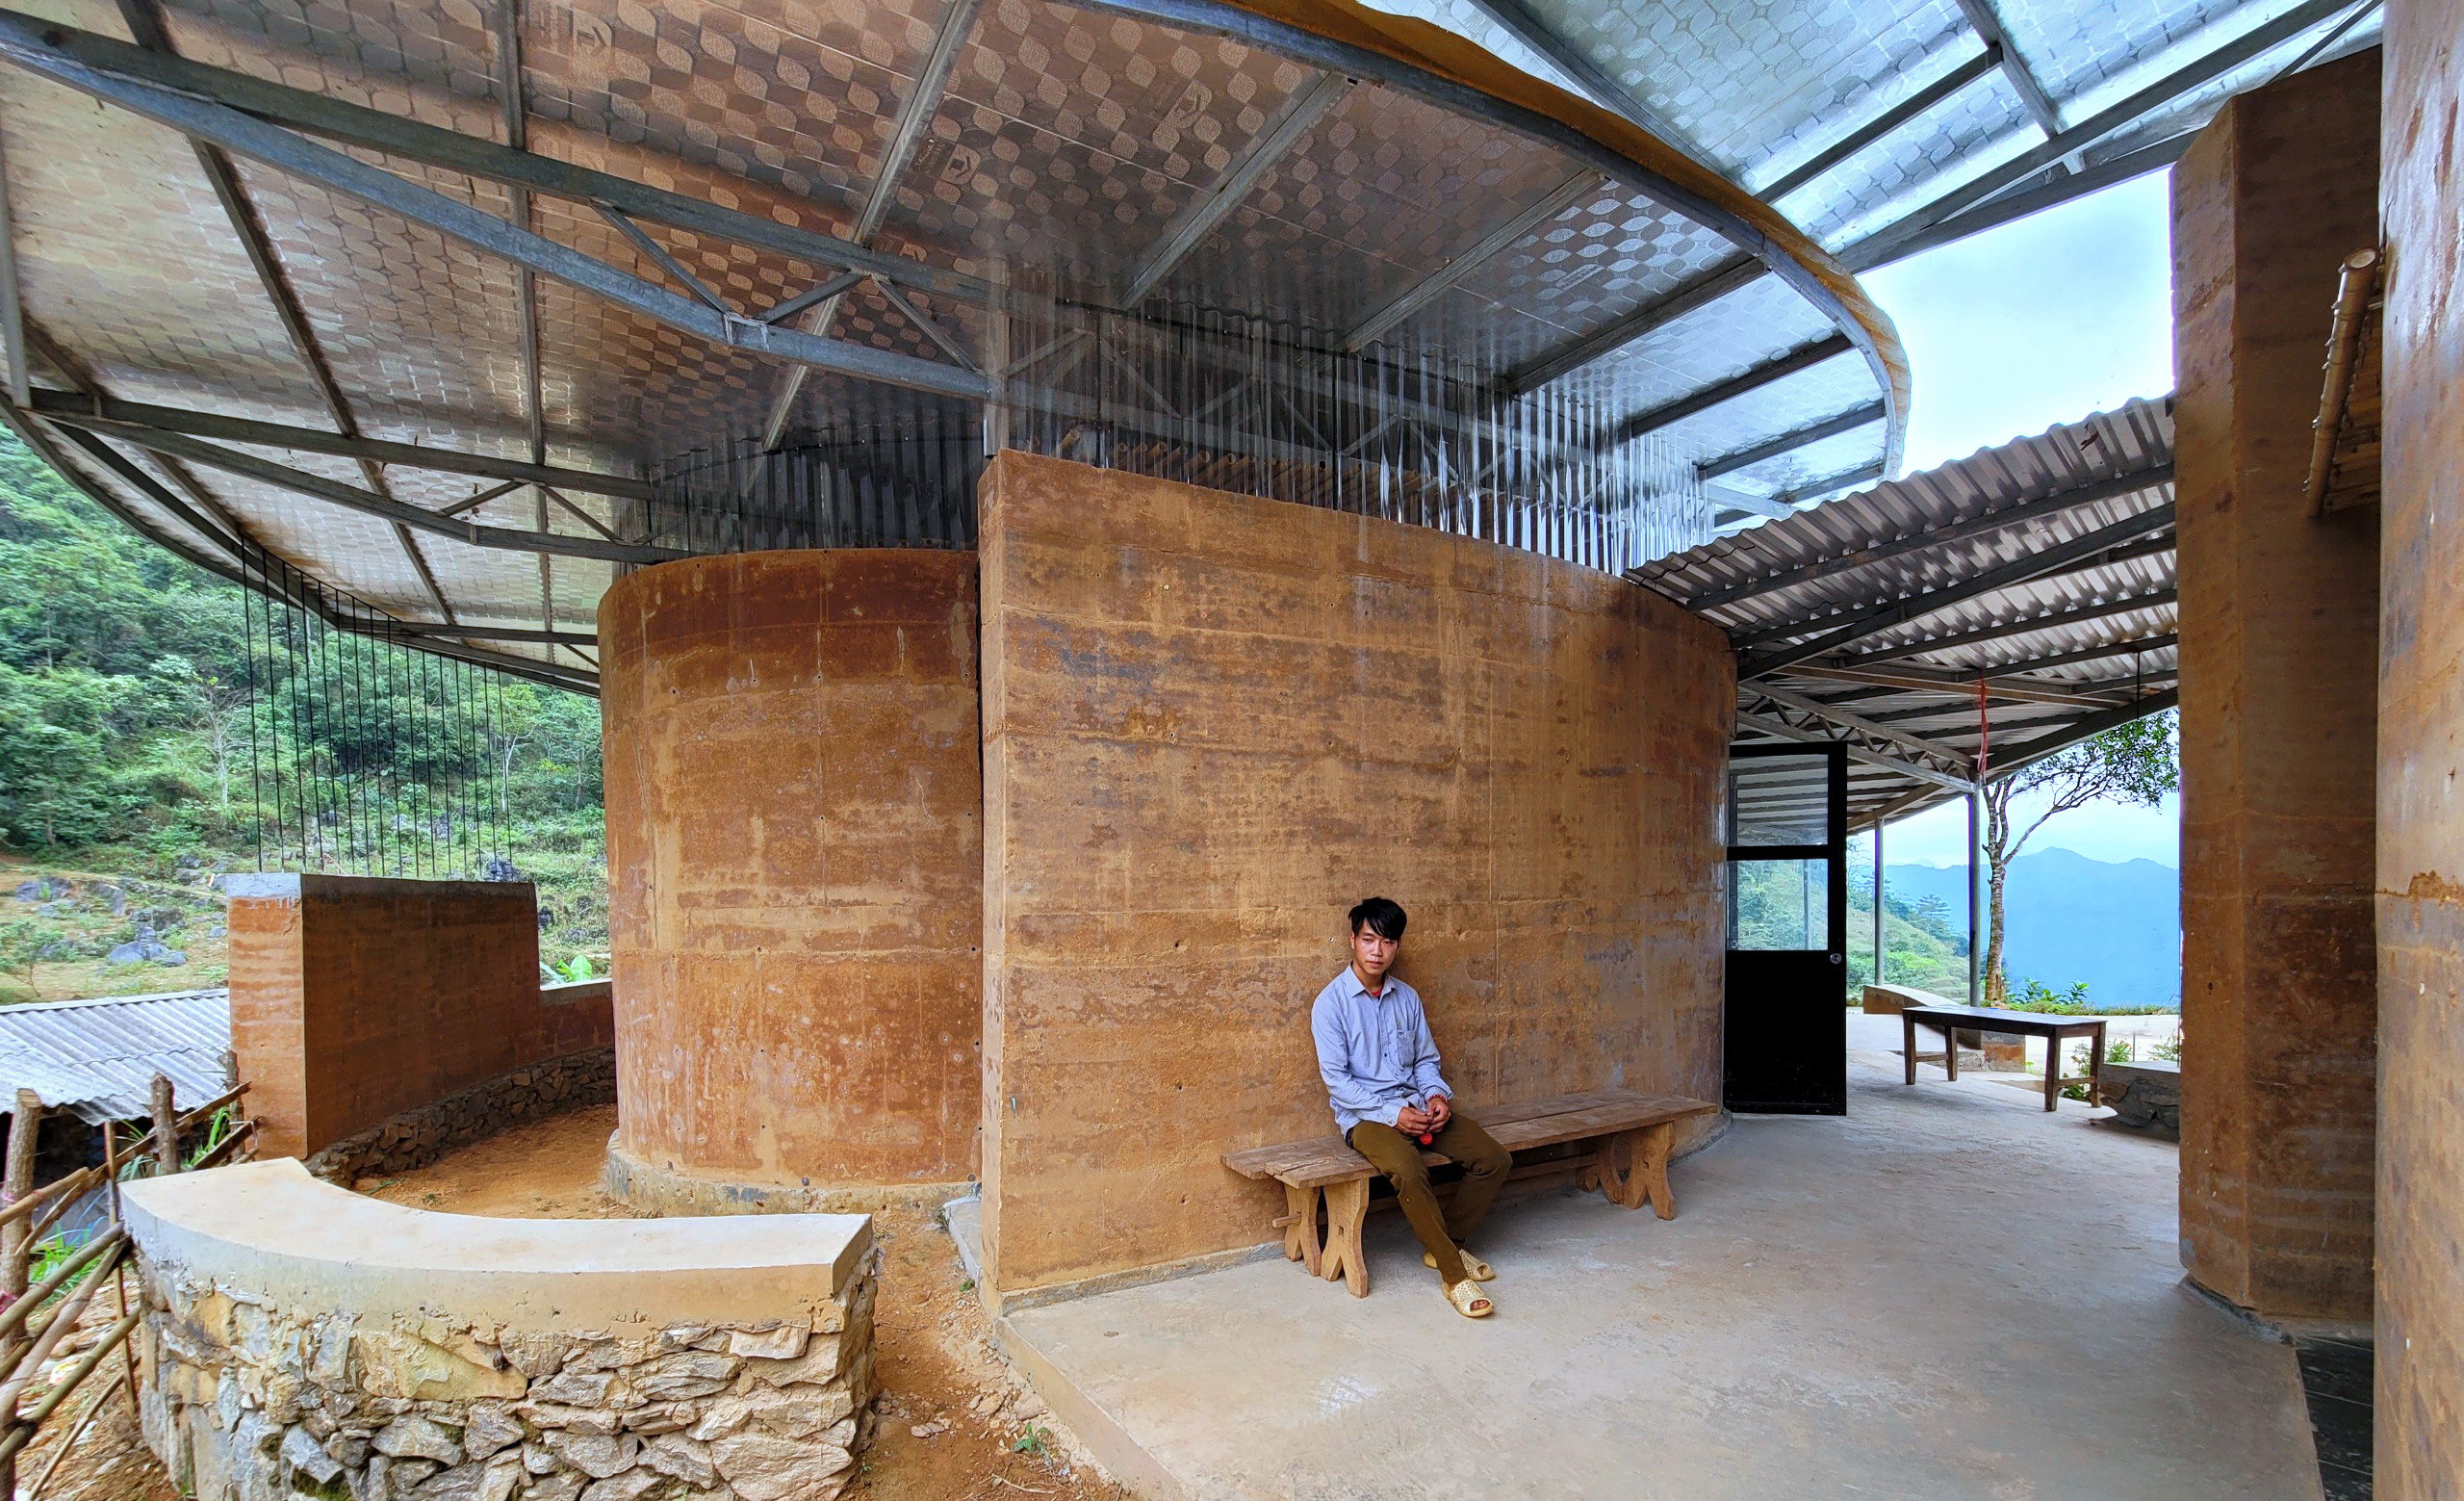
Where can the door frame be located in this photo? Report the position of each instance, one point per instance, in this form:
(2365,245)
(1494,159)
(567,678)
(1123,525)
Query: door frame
(1835,855)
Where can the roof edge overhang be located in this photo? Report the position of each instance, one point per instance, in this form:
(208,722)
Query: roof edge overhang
(1452,72)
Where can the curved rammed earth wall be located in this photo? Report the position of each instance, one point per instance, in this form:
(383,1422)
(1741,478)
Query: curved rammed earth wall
(795,849)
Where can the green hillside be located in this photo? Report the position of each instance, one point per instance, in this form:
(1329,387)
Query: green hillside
(1776,898)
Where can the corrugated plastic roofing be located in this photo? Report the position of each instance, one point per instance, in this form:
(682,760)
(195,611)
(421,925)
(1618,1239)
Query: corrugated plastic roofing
(98,1058)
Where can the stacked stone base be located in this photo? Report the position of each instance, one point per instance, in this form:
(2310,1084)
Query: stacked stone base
(243,1403)
(417,1138)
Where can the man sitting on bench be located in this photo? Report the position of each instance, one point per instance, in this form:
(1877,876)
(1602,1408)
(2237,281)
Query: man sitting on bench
(1380,1066)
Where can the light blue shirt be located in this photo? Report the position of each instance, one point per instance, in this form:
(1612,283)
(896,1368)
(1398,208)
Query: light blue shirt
(1374,1051)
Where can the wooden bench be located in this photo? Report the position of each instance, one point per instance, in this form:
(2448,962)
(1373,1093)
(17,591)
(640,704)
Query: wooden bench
(1625,1137)
(2056,1029)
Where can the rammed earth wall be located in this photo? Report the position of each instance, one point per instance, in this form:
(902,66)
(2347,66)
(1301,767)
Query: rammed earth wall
(456,1359)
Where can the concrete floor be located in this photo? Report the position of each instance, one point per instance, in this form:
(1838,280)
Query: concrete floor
(1949,1293)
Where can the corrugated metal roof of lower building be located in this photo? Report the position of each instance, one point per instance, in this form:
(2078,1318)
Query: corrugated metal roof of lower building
(2133,438)
(97,1057)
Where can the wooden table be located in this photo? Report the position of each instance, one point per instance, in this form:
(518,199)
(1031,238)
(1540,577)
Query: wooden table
(2054,1030)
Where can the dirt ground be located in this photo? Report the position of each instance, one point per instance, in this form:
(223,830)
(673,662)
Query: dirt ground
(956,1425)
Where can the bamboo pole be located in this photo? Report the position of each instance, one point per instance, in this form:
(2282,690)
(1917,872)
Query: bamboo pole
(166,1130)
(23,1430)
(69,1443)
(25,1127)
(205,1111)
(62,1202)
(18,1313)
(11,1213)
(223,1149)
(32,1361)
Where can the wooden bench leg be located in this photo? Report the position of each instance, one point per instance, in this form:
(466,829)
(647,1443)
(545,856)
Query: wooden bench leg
(1300,1225)
(1632,1169)
(1650,1166)
(1347,1208)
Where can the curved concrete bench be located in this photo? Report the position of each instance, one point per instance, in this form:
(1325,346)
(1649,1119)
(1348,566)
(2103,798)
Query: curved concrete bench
(299,1335)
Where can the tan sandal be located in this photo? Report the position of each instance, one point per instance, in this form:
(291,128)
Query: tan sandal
(1469,1301)
(1474,1267)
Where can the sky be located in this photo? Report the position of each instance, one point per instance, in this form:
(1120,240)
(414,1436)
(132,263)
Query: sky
(2008,332)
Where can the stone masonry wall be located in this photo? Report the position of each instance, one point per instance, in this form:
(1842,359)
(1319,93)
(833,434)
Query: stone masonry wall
(1212,723)
(249,1403)
(416,1138)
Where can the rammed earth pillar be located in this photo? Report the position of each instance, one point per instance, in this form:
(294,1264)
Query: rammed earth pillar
(794,845)
(2279,709)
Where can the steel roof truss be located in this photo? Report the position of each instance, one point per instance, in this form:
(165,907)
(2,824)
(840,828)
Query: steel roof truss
(1888,120)
(1700,293)
(1915,745)
(1995,632)
(1779,367)
(1567,59)
(1917,679)
(109,413)
(1815,731)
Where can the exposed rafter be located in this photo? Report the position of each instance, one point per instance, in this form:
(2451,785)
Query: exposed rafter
(266,471)
(1198,217)
(1849,421)
(2136,646)
(914,113)
(1813,730)
(1882,124)
(2030,752)
(2026,199)
(1857,624)
(2128,604)
(1778,368)
(1847,720)
(1913,680)
(12,307)
(1496,243)
(1812,489)
(2032,510)
(1658,313)
(1987,26)
(110,414)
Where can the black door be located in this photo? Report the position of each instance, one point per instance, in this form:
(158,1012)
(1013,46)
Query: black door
(1787,970)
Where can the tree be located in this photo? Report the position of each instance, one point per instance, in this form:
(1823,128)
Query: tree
(21,943)
(220,711)
(2133,764)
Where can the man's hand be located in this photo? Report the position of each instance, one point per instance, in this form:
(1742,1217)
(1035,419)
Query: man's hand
(1414,1121)
(1440,1110)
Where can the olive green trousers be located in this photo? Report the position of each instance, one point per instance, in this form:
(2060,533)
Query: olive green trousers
(1484,1165)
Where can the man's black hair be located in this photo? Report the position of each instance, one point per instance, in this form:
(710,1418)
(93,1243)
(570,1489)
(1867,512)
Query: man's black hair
(1384,917)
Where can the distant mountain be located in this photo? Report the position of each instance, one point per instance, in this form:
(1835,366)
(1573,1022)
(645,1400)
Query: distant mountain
(2118,927)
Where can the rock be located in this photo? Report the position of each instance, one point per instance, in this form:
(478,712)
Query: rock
(580,1420)
(818,1363)
(932,1429)
(594,1455)
(418,1438)
(560,1487)
(687,1373)
(461,1482)
(409,1474)
(661,1418)
(686,1336)
(575,1388)
(984,1404)
(763,1467)
(131,952)
(674,1454)
(405,1365)
(536,1459)
(489,1428)
(503,1477)
(624,1487)
(786,1342)
(301,1451)
(534,1355)
(168,957)
(349,1449)
(799,1412)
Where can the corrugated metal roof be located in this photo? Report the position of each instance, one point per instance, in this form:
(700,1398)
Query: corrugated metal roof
(98,1058)
(1896,584)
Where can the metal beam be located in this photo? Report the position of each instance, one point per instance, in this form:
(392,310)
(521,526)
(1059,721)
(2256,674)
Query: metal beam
(44,46)
(1872,619)
(146,24)
(2137,646)
(470,633)
(231,130)
(12,308)
(2025,509)
(1790,441)
(1781,729)
(1987,27)
(1702,291)
(115,414)
(2067,617)
(1829,484)
(2258,41)
(1778,368)
(1884,123)
(1198,217)
(2023,200)
(914,113)
(1863,726)
(1913,680)
(2030,752)
(1563,55)
(267,472)
(1497,241)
